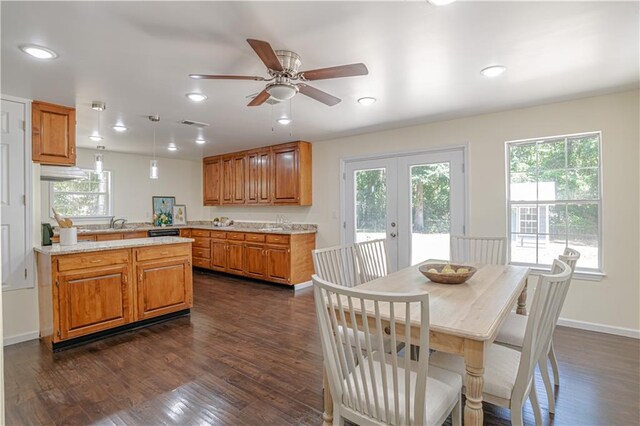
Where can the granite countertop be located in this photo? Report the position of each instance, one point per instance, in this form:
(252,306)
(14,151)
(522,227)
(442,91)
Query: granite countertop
(239,227)
(88,246)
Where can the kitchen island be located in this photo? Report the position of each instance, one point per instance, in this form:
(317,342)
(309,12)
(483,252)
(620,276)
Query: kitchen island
(92,289)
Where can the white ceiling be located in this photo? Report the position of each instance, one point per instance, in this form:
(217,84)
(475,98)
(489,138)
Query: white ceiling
(423,61)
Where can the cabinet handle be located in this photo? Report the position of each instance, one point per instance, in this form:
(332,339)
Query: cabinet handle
(96,261)
(125,279)
(164,253)
(140,277)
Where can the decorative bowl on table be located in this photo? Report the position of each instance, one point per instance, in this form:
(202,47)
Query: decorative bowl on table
(447,273)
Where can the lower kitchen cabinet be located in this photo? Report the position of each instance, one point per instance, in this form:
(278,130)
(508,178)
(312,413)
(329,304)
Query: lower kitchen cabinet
(255,260)
(94,299)
(218,255)
(278,261)
(164,286)
(92,292)
(235,257)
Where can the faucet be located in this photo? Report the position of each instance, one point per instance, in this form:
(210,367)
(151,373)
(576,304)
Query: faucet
(117,223)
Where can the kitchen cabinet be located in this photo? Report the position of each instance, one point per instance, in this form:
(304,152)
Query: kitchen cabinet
(109,237)
(259,177)
(233,179)
(212,183)
(81,294)
(272,175)
(278,258)
(94,299)
(53,134)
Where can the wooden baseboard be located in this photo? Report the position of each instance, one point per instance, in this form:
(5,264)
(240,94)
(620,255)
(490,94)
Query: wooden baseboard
(601,328)
(19,338)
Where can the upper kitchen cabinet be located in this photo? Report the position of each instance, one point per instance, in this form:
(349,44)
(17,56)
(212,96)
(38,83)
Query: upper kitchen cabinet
(53,134)
(271,175)
(212,184)
(291,174)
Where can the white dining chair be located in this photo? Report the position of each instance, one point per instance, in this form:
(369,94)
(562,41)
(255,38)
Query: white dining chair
(487,250)
(337,265)
(373,259)
(369,386)
(509,375)
(513,329)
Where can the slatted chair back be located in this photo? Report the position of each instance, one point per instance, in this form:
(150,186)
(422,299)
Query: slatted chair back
(570,257)
(373,259)
(488,250)
(541,323)
(337,265)
(369,386)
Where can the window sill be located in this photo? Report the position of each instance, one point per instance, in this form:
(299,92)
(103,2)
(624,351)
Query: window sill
(578,275)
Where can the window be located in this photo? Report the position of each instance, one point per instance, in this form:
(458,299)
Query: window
(555,200)
(83,198)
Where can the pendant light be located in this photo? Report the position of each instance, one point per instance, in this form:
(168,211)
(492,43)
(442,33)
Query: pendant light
(99,160)
(153,167)
(97,106)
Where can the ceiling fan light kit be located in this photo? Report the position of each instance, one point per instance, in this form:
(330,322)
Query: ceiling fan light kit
(283,69)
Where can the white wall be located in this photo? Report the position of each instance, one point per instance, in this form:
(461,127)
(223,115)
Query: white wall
(614,301)
(132,189)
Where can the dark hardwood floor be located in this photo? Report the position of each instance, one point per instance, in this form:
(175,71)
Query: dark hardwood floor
(250,354)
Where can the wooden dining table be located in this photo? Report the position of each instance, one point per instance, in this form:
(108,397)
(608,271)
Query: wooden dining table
(464,319)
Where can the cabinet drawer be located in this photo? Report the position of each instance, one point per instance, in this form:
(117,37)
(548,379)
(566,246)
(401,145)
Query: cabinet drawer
(108,237)
(237,236)
(258,238)
(91,260)
(199,233)
(201,263)
(135,234)
(201,242)
(218,235)
(277,239)
(201,252)
(161,252)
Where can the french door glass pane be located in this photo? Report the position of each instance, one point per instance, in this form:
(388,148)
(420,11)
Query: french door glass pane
(371,204)
(430,211)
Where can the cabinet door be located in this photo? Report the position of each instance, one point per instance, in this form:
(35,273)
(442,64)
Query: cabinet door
(53,134)
(239,179)
(255,260)
(259,177)
(285,174)
(219,255)
(227,180)
(278,260)
(93,300)
(212,174)
(164,286)
(235,257)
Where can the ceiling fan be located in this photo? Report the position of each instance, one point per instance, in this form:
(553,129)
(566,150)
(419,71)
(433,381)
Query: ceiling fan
(283,66)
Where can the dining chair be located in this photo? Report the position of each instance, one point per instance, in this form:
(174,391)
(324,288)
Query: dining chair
(488,250)
(372,387)
(513,329)
(337,265)
(373,259)
(509,375)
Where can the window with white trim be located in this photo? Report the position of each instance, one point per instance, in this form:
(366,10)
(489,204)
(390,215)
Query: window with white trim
(87,198)
(555,200)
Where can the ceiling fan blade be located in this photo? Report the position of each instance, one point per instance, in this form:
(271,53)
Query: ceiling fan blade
(225,77)
(259,99)
(350,70)
(318,95)
(266,54)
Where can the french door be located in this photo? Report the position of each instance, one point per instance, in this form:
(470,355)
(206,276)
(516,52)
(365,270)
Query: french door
(414,201)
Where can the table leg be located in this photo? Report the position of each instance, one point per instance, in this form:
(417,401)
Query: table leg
(474,382)
(522,301)
(327,416)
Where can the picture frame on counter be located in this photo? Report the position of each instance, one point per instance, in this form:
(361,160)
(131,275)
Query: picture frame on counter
(179,214)
(162,208)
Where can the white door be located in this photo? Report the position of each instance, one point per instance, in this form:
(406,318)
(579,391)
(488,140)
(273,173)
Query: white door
(415,201)
(16,245)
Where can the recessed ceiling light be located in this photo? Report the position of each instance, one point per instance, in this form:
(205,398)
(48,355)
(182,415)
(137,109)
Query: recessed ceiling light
(201,141)
(96,138)
(196,97)
(440,2)
(367,100)
(39,52)
(493,71)
(119,128)
(172,147)
(284,121)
